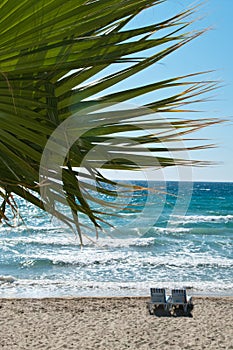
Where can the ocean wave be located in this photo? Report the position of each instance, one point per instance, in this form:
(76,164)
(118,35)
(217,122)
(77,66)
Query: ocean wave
(40,288)
(128,261)
(32,228)
(188,260)
(6,279)
(58,241)
(87,258)
(168,230)
(124,242)
(40,240)
(201,218)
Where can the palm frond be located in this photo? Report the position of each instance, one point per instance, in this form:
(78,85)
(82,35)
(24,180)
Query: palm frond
(58,60)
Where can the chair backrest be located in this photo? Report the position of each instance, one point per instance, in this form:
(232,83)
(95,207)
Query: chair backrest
(158,295)
(179,296)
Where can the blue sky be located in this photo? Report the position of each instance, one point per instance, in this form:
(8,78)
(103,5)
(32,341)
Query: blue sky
(211,51)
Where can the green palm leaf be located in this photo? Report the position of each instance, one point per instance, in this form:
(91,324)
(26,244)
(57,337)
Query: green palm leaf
(58,59)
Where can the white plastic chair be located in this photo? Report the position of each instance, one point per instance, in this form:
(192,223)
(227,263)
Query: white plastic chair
(158,298)
(180,298)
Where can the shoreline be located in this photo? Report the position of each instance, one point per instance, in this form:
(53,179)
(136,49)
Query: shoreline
(110,294)
(116,323)
(194,295)
(108,298)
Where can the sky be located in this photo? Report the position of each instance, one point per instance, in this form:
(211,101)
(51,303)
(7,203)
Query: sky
(211,51)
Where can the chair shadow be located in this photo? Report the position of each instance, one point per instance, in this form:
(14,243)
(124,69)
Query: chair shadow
(161,313)
(181,313)
(178,312)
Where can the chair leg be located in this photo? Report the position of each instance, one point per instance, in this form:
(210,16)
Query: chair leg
(149,309)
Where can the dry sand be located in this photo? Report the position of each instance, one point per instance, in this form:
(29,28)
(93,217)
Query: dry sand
(112,324)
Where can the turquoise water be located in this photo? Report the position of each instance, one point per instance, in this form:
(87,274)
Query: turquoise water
(167,245)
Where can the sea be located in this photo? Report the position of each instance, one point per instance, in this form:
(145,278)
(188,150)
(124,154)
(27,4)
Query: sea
(181,235)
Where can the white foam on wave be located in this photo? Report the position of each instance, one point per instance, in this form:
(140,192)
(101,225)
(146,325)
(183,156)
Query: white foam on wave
(72,240)
(126,260)
(21,228)
(188,260)
(178,219)
(42,240)
(124,242)
(168,230)
(87,257)
(6,279)
(59,288)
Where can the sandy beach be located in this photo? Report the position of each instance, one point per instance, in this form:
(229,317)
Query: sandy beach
(112,323)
